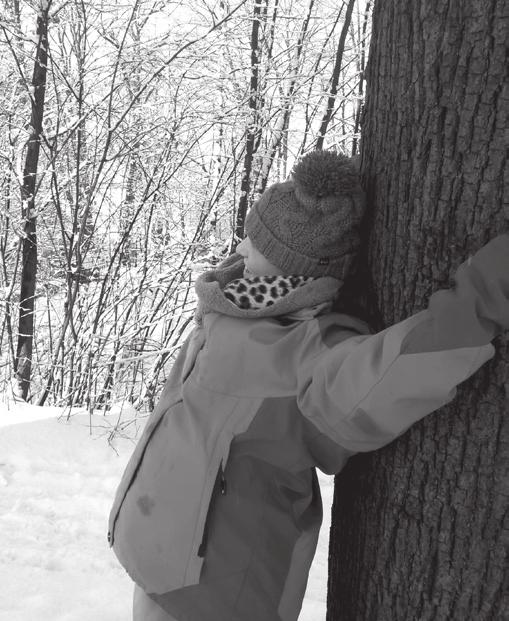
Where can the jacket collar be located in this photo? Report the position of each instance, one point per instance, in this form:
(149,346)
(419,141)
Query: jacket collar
(209,289)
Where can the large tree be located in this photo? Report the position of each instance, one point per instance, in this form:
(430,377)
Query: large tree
(419,528)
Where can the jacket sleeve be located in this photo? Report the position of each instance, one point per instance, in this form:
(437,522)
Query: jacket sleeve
(369,389)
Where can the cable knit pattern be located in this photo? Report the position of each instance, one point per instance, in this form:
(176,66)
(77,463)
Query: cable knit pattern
(310,224)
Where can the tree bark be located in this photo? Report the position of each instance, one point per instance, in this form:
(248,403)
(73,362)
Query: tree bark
(23,368)
(419,528)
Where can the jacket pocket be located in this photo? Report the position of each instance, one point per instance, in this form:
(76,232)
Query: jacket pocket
(160,523)
(133,465)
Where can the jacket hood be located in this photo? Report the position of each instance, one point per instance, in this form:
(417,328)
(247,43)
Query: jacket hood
(209,289)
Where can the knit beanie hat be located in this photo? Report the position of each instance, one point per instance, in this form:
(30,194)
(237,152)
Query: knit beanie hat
(309,225)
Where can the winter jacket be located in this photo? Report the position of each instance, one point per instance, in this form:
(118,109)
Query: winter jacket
(218,512)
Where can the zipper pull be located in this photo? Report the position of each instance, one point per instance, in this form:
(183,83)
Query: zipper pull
(223,484)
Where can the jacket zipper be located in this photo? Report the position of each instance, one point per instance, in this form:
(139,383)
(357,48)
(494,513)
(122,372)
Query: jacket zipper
(220,486)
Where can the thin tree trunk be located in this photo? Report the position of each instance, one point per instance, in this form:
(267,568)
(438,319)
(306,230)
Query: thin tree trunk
(419,528)
(338,63)
(280,131)
(5,277)
(253,129)
(361,68)
(23,368)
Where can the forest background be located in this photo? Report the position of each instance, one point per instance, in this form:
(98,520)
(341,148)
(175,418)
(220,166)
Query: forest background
(133,138)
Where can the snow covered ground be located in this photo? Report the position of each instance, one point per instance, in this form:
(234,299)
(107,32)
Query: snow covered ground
(56,487)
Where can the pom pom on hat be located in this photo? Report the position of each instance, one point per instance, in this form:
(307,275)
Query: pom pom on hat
(324,173)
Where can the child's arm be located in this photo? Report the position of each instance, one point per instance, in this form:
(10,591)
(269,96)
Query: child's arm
(369,389)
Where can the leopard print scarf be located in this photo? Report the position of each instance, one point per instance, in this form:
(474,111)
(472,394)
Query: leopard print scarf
(298,297)
(262,291)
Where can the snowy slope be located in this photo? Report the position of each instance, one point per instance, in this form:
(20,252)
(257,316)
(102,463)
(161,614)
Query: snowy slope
(56,487)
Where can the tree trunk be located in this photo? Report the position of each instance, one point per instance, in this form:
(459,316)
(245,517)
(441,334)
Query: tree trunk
(253,130)
(361,67)
(279,138)
(23,368)
(338,65)
(419,528)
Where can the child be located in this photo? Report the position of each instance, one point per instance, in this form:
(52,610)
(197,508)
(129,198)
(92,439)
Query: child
(218,512)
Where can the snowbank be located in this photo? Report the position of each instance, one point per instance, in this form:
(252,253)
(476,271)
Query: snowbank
(57,481)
